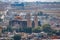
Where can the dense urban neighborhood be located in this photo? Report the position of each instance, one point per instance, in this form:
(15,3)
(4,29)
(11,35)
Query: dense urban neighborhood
(29,20)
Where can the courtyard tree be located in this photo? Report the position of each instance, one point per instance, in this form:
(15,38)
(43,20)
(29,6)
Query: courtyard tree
(9,28)
(40,13)
(1,20)
(17,37)
(58,32)
(36,30)
(28,30)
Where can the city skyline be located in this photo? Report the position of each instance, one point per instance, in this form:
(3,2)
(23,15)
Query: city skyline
(31,0)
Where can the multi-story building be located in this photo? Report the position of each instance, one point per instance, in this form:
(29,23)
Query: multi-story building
(32,14)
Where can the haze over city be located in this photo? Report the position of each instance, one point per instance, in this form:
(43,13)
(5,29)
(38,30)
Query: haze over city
(31,0)
(29,19)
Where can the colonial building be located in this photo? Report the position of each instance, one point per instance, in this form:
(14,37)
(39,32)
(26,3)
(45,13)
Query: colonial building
(31,14)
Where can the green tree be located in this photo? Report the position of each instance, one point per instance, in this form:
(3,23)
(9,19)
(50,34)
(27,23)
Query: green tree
(9,29)
(47,28)
(58,32)
(0,14)
(17,37)
(20,29)
(1,20)
(3,30)
(28,30)
(46,25)
(36,30)
(40,13)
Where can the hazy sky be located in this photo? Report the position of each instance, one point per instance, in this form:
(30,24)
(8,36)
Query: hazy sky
(42,0)
(33,0)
